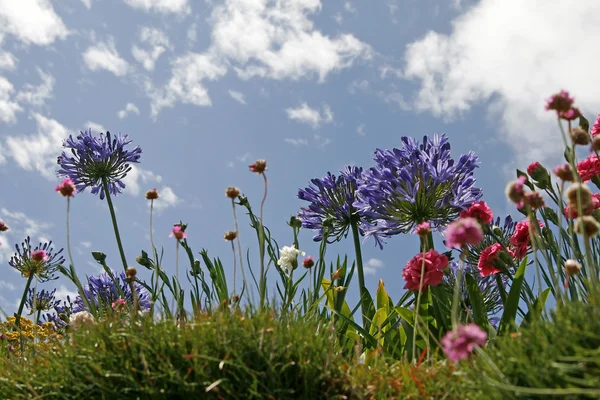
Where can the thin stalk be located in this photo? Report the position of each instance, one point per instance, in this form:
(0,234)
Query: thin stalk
(361,274)
(261,234)
(239,243)
(177,259)
(418,305)
(234,267)
(20,311)
(457,286)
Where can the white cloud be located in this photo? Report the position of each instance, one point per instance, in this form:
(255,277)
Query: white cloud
(130,108)
(349,7)
(161,6)
(191,34)
(138,176)
(32,21)
(20,226)
(296,142)
(37,95)
(104,55)
(361,130)
(62,293)
(237,96)
(356,86)
(386,70)
(279,41)
(185,85)
(156,42)
(310,116)
(372,265)
(7,60)
(87,3)
(8,107)
(38,152)
(398,99)
(167,199)
(87,245)
(7,286)
(514,54)
(95,127)
(338,18)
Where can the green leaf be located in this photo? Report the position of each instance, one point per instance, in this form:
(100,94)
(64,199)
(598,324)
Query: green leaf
(406,314)
(326,283)
(377,322)
(477,303)
(383,299)
(584,124)
(551,215)
(512,301)
(535,312)
(527,182)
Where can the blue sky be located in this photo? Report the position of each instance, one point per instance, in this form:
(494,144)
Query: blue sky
(207,87)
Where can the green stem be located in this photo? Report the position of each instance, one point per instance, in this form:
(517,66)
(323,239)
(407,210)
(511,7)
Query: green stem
(20,311)
(418,305)
(361,274)
(261,233)
(239,245)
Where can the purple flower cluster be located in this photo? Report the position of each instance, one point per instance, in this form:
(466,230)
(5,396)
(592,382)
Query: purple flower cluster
(102,292)
(95,159)
(414,184)
(45,268)
(332,204)
(39,301)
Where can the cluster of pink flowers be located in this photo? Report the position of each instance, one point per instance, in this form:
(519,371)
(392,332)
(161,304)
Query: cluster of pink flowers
(588,168)
(488,258)
(459,343)
(434,264)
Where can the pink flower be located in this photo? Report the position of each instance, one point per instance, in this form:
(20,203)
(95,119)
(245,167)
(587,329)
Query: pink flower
(118,304)
(459,343)
(423,229)
(560,101)
(39,255)
(596,127)
(569,115)
(571,212)
(534,166)
(462,232)
(308,262)
(434,264)
(488,258)
(66,188)
(480,211)
(520,238)
(178,232)
(588,168)
(3,227)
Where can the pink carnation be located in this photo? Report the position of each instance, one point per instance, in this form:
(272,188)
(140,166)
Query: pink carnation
(39,255)
(561,101)
(434,264)
(596,127)
(178,232)
(487,259)
(458,344)
(462,232)
(423,229)
(480,211)
(520,238)
(66,188)
(588,168)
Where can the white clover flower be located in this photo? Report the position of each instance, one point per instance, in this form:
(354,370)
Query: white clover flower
(288,259)
(80,318)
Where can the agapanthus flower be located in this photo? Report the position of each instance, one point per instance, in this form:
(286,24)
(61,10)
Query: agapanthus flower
(95,159)
(331,201)
(480,211)
(42,300)
(102,292)
(434,264)
(288,258)
(588,168)
(463,232)
(595,129)
(40,261)
(460,342)
(416,183)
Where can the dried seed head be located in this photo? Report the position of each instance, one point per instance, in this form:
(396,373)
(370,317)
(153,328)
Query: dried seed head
(259,166)
(230,235)
(232,192)
(564,172)
(579,136)
(131,272)
(584,192)
(587,226)
(572,267)
(152,194)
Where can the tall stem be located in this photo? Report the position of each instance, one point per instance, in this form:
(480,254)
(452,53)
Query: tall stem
(69,234)
(419,294)
(239,243)
(20,311)
(261,234)
(361,274)
(177,259)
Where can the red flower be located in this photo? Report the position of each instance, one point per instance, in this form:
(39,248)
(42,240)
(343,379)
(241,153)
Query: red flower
(434,264)
(520,238)
(595,130)
(487,259)
(560,101)
(480,211)
(588,168)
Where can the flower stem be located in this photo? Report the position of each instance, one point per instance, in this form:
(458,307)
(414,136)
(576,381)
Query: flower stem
(418,305)
(261,233)
(21,305)
(361,274)
(239,243)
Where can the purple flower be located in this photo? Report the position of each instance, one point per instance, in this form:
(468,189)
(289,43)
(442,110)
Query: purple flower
(43,268)
(416,183)
(101,291)
(459,343)
(93,159)
(332,204)
(43,300)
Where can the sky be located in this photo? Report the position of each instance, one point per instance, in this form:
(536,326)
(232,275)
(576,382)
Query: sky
(207,87)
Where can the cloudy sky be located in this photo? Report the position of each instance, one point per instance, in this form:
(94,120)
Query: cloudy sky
(206,87)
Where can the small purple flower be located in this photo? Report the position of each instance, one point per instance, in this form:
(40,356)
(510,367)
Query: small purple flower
(25,262)
(101,291)
(93,159)
(42,300)
(332,203)
(414,184)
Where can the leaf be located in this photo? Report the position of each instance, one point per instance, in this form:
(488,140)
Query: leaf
(406,314)
(326,283)
(477,303)
(377,322)
(512,301)
(536,309)
(551,215)
(382,297)
(527,182)
(584,124)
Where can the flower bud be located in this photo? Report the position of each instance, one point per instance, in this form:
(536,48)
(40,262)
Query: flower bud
(564,172)
(497,230)
(152,194)
(539,174)
(579,136)
(232,192)
(587,226)
(339,288)
(131,272)
(230,235)
(572,267)
(581,190)
(515,191)
(3,227)
(595,144)
(295,222)
(243,200)
(99,256)
(534,200)
(336,275)
(259,166)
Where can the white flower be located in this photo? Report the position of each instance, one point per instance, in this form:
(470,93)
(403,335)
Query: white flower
(80,318)
(288,259)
